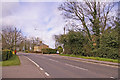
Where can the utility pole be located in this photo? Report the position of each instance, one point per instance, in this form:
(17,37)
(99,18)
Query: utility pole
(15,40)
(64,30)
(25,44)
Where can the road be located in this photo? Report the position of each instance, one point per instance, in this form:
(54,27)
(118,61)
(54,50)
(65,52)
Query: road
(58,67)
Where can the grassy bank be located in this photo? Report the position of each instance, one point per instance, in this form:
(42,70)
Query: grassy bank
(12,61)
(94,58)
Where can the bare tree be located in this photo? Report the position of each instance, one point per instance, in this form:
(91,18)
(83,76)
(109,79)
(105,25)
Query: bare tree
(11,37)
(32,41)
(92,15)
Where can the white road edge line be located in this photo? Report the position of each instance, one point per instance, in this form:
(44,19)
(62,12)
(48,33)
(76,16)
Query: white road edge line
(41,68)
(76,67)
(33,62)
(47,74)
(37,66)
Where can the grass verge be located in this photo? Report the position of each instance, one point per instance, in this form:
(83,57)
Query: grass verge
(11,62)
(94,58)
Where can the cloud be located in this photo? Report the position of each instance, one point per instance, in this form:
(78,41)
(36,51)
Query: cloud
(40,19)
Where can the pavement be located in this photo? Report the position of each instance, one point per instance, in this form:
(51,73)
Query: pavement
(26,70)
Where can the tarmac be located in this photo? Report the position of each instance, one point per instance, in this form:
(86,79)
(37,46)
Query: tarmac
(28,70)
(93,61)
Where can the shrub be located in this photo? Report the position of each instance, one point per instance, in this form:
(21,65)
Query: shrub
(49,51)
(106,52)
(26,51)
(109,45)
(73,42)
(87,50)
(60,49)
(6,54)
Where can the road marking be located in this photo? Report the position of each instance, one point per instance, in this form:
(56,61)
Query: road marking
(112,77)
(89,62)
(41,68)
(37,66)
(76,67)
(53,60)
(33,62)
(47,74)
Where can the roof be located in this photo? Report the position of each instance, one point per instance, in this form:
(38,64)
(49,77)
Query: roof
(41,44)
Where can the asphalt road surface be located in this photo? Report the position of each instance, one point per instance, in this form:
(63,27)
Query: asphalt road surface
(58,67)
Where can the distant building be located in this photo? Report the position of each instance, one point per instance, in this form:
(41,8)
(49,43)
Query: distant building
(40,46)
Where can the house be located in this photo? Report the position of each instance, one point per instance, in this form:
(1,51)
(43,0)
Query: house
(40,46)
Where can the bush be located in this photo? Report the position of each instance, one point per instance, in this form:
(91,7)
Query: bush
(49,51)
(26,51)
(87,50)
(73,42)
(60,49)
(6,54)
(106,52)
(109,45)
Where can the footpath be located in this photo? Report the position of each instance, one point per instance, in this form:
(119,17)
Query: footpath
(26,70)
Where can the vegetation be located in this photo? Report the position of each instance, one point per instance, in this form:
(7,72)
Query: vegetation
(78,44)
(92,15)
(13,39)
(109,45)
(60,49)
(49,51)
(73,42)
(94,58)
(14,60)
(26,51)
(95,36)
(6,54)
(8,58)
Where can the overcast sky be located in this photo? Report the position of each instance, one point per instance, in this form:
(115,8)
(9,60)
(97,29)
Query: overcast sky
(38,19)
(35,19)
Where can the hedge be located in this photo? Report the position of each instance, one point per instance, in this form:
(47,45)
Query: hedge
(6,54)
(49,51)
(26,51)
(106,52)
(60,49)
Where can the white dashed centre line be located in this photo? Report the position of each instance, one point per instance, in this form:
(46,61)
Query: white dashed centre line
(76,67)
(53,60)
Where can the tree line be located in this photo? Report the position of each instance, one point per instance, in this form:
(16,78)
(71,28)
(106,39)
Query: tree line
(93,32)
(13,39)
